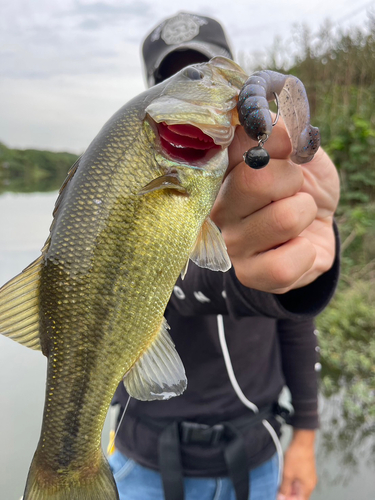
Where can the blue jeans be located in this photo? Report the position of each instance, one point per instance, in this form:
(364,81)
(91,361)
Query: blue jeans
(135,482)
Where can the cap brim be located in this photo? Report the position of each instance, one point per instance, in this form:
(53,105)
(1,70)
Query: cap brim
(207,49)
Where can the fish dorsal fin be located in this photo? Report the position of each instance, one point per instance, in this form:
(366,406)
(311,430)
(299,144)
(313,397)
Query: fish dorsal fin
(63,190)
(69,177)
(19,311)
(167,181)
(159,372)
(210,250)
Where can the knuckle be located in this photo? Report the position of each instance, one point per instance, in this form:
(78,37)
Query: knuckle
(257,183)
(282,275)
(250,181)
(284,217)
(308,203)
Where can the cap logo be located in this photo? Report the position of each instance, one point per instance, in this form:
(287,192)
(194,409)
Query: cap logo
(179,29)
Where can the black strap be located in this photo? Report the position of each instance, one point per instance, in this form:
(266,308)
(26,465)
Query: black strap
(171,467)
(236,461)
(230,434)
(170,463)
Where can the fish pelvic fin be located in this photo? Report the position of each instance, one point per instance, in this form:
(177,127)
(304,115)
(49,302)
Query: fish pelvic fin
(19,307)
(89,483)
(210,250)
(159,372)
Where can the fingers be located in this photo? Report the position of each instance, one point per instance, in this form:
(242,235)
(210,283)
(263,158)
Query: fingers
(266,248)
(278,270)
(292,489)
(299,474)
(270,227)
(278,145)
(277,222)
(321,180)
(261,215)
(245,190)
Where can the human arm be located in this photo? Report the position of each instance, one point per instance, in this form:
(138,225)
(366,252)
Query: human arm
(299,474)
(300,356)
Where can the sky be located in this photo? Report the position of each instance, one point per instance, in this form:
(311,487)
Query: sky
(66,66)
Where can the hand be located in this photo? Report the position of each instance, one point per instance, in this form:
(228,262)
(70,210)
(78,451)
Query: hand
(299,476)
(277,222)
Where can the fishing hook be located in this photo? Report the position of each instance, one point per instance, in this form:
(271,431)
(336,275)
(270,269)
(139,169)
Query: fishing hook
(258,157)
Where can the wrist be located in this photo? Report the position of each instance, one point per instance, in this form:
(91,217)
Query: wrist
(304,437)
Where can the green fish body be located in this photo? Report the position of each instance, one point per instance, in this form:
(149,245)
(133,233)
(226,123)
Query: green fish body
(133,210)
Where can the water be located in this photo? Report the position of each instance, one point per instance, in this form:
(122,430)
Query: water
(345,464)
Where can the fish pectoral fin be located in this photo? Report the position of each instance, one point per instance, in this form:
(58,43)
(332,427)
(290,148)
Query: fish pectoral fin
(159,372)
(210,250)
(167,181)
(19,307)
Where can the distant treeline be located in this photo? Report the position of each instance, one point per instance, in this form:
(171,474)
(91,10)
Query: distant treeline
(31,170)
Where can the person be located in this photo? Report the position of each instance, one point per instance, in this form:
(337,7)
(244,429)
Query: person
(256,321)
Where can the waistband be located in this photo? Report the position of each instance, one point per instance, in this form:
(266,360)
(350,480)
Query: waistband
(228,435)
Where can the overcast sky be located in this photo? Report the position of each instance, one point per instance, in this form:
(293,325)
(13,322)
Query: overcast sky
(67,65)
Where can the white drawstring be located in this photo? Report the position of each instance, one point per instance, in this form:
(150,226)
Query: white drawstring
(243,398)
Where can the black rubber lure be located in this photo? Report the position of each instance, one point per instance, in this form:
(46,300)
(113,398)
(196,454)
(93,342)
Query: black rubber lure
(255,116)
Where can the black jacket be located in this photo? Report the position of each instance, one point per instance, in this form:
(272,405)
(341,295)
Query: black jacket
(272,342)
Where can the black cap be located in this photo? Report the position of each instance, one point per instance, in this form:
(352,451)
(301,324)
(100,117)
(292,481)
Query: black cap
(183,32)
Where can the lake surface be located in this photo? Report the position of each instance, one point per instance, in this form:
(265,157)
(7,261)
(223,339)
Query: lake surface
(346,464)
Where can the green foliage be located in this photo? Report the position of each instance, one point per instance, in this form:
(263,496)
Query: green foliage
(352,148)
(31,170)
(348,344)
(338,71)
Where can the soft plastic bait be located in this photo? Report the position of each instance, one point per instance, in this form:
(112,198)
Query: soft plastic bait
(293,105)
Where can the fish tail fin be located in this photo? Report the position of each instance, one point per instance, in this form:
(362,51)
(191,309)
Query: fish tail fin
(87,483)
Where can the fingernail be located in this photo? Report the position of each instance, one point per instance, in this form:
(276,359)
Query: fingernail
(280,496)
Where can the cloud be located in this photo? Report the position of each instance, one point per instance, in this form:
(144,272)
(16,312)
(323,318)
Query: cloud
(110,10)
(74,38)
(129,16)
(53,53)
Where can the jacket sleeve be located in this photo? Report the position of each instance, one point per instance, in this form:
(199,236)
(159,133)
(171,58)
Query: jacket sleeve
(209,292)
(300,364)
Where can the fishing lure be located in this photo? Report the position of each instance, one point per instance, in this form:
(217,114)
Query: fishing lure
(292,105)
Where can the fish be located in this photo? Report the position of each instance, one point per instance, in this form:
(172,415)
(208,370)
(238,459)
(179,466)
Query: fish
(132,212)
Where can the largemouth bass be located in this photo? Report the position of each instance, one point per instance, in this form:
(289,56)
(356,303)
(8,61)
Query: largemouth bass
(132,211)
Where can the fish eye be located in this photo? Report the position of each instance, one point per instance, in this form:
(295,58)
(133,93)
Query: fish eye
(193,73)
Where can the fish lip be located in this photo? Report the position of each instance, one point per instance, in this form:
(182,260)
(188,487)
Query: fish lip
(216,122)
(179,146)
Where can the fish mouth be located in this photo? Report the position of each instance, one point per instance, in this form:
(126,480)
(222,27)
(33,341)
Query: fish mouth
(185,142)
